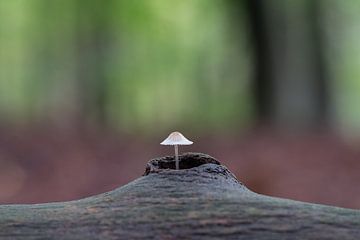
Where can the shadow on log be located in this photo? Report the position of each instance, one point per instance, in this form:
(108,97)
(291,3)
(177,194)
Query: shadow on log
(203,200)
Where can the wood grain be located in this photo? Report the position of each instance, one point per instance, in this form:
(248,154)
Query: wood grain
(203,200)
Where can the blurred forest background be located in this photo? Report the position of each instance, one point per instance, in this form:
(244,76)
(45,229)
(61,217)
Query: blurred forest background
(89,88)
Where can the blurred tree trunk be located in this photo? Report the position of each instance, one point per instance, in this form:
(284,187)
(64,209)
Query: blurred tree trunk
(93,42)
(290,85)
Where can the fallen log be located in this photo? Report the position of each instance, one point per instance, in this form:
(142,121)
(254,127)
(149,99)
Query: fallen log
(202,200)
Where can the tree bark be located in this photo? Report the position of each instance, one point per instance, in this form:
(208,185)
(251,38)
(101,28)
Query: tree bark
(202,200)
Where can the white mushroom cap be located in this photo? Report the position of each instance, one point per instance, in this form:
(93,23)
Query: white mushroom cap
(176,138)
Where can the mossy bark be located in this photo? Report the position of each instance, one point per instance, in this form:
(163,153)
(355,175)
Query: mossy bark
(203,200)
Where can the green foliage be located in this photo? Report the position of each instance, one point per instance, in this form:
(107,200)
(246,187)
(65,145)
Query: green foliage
(129,64)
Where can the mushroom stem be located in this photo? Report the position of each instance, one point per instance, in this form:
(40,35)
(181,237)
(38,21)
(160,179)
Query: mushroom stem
(177,157)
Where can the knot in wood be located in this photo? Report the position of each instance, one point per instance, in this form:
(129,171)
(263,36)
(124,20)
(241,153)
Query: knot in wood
(186,161)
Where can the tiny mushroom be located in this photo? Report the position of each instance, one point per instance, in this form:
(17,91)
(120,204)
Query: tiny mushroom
(176,138)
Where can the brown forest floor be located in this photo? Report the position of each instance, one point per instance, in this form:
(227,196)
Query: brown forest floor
(42,164)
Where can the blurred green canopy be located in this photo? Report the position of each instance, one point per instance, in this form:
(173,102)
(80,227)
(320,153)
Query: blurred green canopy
(149,65)
(128,64)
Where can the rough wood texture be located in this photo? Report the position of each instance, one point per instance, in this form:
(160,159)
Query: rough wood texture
(203,201)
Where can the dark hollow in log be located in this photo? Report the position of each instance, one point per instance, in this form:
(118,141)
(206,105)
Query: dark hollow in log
(186,161)
(203,200)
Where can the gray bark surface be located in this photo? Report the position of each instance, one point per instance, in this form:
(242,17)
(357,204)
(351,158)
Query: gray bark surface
(202,200)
